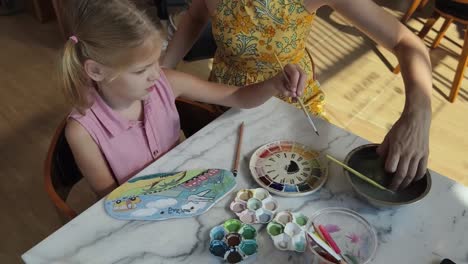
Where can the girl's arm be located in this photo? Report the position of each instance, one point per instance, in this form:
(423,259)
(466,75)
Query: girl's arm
(189,29)
(250,96)
(89,159)
(406,146)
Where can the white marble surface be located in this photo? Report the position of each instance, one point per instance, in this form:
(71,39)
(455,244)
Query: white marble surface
(424,232)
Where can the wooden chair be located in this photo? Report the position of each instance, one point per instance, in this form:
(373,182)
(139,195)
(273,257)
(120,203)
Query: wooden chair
(450,10)
(61,172)
(415,5)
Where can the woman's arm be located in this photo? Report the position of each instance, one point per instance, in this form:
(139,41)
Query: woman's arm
(406,146)
(188,31)
(193,88)
(386,30)
(89,159)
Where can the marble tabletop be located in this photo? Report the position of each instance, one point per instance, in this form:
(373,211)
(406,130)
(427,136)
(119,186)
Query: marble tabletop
(424,232)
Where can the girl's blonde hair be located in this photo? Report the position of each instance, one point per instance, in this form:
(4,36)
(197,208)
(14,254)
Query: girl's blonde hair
(106,31)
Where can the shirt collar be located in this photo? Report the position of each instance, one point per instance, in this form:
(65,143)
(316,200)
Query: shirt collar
(112,121)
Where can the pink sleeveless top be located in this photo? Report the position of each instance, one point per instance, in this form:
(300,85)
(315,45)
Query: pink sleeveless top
(129,146)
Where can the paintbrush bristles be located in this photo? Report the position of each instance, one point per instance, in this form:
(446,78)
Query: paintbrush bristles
(308,116)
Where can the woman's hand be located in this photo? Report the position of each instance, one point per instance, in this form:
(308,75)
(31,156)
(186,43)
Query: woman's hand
(406,148)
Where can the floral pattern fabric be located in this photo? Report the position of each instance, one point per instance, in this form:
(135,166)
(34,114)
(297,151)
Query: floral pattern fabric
(248,33)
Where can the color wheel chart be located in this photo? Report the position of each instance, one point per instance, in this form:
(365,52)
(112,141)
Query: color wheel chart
(288,168)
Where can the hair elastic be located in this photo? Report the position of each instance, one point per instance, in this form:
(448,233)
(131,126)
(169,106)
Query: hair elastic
(74,39)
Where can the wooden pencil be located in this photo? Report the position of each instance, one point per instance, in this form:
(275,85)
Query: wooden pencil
(235,170)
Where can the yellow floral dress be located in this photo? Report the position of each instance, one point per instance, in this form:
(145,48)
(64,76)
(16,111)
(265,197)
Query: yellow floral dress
(249,32)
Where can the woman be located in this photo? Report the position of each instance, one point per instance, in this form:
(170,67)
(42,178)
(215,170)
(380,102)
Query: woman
(249,33)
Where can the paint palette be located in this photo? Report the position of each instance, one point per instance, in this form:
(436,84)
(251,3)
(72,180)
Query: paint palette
(169,195)
(233,241)
(288,168)
(254,206)
(288,231)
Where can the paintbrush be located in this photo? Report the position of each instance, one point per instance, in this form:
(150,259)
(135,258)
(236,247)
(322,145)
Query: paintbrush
(323,245)
(317,230)
(238,150)
(308,116)
(360,175)
(329,239)
(322,236)
(298,98)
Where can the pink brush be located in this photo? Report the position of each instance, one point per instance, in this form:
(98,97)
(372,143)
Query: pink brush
(329,239)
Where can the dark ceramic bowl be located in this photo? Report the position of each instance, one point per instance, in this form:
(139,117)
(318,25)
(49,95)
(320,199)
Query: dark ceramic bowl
(365,160)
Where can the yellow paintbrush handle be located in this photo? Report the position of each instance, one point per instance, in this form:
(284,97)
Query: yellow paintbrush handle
(358,174)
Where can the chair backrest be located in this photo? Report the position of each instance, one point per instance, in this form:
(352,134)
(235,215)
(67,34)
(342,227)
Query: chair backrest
(204,48)
(194,116)
(60,171)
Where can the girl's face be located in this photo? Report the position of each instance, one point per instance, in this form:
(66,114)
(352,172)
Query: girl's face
(135,81)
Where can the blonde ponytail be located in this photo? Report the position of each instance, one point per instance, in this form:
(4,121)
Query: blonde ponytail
(73,77)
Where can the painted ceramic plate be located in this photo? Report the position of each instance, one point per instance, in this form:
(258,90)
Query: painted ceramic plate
(169,195)
(288,168)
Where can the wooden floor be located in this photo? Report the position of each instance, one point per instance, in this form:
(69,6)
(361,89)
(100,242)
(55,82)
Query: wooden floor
(363,97)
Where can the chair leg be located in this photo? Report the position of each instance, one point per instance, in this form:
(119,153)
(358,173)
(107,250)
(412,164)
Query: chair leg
(410,11)
(441,33)
(423,3)
(460,69)
(429,24)
(397,69)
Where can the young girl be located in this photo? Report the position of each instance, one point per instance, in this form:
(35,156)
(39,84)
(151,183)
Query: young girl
(124,113)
